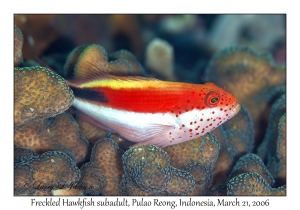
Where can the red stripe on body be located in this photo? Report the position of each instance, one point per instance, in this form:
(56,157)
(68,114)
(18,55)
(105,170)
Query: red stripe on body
(176,99)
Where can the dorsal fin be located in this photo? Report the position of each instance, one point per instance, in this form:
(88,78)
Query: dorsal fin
(89,73)
(92,72)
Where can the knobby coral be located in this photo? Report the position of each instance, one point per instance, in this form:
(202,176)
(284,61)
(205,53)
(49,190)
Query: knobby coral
(252,184)
(95,56)
(39,94)
(59,133)
(45,172)
(252,77)
(18,44)
(148,167)
(102,175)
(252,163)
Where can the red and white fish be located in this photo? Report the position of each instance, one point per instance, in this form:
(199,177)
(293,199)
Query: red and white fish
(151,111)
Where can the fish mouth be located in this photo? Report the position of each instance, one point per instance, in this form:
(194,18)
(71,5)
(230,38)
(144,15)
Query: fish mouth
(236,109)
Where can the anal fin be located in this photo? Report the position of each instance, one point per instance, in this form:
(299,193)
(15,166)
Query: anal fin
(155,134)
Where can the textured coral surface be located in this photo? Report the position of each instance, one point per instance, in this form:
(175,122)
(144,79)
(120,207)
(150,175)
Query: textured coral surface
(148,167)
(39,94)
(44,173)
(18,44)
(104,171)
(252,184)
(59,133)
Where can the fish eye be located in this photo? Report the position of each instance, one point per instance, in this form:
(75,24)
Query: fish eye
(212,99)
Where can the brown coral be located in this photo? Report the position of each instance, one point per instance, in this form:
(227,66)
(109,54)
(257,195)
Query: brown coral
(126,27)
(137,68)
(51,170)
(130,188)
(239,132)
(252,163)
(202,176)
(148,167)
(202,150)
(87,56)
(18,44)
(225,161)
(21,154)
(39,32)
(198,155)
(220,190)
(39,94)
(277,164)
(59,133)
(102,175)
(160,58)
(268,145)
(252,184)
(251,77)
(91,132)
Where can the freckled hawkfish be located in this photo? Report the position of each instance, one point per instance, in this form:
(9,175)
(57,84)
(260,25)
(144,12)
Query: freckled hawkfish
(151,111)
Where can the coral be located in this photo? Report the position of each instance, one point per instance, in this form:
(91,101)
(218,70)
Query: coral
(198,157)
(222,168)
(148,167)
(130,188)
(277,163)
(137,68)
(18,44)
(273,148)
(125,32)
(38,94)
(257,31)
(159,58)
(59,133)
(239,132)
(219,190)
(236,137)
(39,33)
(202,150)
(91,132)
(22,154)
(225,160)
(252,77)
(252,184)
(268,145)
(178,23)
(51,170)
(181,182)
(86,55)
(102,175)
(252,163)
(202,176)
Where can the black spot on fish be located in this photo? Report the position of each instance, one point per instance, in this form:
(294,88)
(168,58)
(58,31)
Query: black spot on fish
(90,94)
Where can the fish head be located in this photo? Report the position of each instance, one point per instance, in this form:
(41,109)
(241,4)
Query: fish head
(220,103)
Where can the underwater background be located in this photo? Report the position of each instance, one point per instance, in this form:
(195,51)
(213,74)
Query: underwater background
(245,54)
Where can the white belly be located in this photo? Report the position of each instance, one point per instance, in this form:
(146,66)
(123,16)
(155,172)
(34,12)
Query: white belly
(161,129)
(136,127)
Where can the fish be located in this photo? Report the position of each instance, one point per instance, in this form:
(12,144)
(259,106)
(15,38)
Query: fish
(151,111)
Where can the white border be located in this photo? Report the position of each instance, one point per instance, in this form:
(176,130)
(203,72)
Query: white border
(8,8)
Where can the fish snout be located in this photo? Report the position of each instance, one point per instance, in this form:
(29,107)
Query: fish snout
(236,109)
